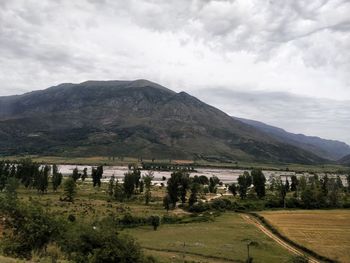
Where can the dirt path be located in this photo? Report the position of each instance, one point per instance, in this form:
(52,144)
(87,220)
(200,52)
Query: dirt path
(281,242)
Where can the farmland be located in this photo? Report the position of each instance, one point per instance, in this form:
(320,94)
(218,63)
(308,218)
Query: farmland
(326,232)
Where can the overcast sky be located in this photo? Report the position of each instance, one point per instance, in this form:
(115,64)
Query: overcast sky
(282,62)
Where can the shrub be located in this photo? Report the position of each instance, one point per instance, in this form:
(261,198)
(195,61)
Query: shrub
(199,207)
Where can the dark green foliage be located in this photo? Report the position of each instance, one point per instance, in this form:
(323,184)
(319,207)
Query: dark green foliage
(111,186)
(259,181)
(69,189)
(184,186)
(76,175)
(244,181)
(233,189)
(100,243)
(194,193)
(287,186)
(213,182)
(167,202)
(32,229)
(294,184)
(142,186)
(199,207)
(41,181)
(118,193)
(178,185)
(56,177)
(84,175)
(96,175)
(129,184)
(147,179)
(203,180)
(155,222)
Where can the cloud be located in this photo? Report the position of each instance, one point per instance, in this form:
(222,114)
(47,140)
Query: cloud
(263,47)
(316,117)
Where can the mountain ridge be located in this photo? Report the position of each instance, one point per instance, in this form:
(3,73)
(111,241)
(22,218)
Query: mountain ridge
(329,149)
(132,118)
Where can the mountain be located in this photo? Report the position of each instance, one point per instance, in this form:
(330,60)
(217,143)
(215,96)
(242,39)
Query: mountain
(345,160)
(328,149)
(132,118)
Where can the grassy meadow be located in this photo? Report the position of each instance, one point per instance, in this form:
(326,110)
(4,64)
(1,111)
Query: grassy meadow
(327,232)
(224,239)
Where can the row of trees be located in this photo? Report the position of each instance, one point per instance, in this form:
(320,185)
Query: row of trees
(306,192)
(132,185)
(30,175)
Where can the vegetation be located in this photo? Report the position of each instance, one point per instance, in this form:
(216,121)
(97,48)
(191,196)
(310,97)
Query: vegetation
(99,213)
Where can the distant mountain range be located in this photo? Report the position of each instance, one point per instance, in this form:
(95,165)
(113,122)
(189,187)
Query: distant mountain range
(328,149)
(345,160)
(142,119)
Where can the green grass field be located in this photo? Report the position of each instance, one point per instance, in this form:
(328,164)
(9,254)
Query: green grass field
(225,239)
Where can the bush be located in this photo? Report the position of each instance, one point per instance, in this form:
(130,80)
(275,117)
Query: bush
(221,204)
(101,243)
(292,202)
(31,230)
(199,207)
(273,202)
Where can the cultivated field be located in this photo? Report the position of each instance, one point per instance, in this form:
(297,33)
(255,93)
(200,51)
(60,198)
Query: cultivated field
(225,238)
(326,232)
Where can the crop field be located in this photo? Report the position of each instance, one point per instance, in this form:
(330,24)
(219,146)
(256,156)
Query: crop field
(224,239)
(326,232)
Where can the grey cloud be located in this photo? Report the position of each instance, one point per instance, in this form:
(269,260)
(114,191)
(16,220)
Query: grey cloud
(321,117)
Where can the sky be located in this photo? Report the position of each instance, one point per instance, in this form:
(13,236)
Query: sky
(286,63)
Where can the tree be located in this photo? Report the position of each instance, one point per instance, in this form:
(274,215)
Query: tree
(339,183)
(142,186)
(11,188)
(96,175)
(213,182)
(194,193)
(155,222)
(56,178)
(42,179)
(31,229)
(173,187)
(76,175)
(84,175)
(233,189)
(294,184)
(118,192)
(244,181)
(69,190)
(147,179)
(167,202)
(282,191)
(287,185)
(98,243)
(348,181)
(259,181)
(111,186)
(324,185)
(184,186)
(137,176)
(128,184)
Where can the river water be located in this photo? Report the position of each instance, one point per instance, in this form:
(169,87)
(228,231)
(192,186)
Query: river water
(227,176)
